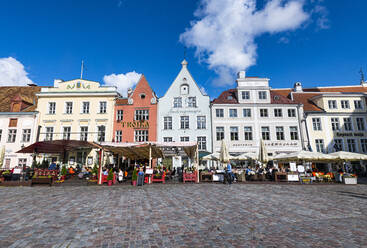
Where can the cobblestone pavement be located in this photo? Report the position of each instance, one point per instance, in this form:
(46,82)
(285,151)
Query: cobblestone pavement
(190,215)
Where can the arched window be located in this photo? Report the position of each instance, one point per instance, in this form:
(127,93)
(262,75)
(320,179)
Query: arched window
(184,89)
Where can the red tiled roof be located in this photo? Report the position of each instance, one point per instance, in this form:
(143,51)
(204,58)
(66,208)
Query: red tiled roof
(26,93)
(121,101)
(350,89)
(308,105)
(227,97)
(280,99)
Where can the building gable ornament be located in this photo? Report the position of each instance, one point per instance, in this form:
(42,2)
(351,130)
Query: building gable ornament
(130,101)
(153,100)
(78,85)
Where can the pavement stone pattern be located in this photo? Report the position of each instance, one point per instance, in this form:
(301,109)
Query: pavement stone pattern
(184,215)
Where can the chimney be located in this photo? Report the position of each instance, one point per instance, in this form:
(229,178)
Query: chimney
(298,87)
(57,81)
(241,75)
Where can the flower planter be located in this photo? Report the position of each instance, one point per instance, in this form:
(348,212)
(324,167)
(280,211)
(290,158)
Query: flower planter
(134,183)
(350,180)
(109,182)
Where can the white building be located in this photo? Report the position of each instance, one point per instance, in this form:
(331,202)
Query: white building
(251,112)
(184,114)
(18,124)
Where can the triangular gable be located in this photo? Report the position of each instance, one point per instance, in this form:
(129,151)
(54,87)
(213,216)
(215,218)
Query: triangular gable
(143,87)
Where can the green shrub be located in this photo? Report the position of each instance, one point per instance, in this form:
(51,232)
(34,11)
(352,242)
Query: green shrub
(63,170)
(135,175)
(110,175)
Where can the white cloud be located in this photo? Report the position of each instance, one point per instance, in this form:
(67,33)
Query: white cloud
(12,73)
(225,31)
(322,13)
(122,81)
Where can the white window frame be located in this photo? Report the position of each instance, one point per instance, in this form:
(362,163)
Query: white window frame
(103,107)
(291,112)
(352,145)
(119,115)
(12,135)
(201,122)
(185,122)
(278,112)
(68,108)
(84,133)
(141,135)
(66,135)
(263,95)
(52,108)
(219,113)
(233,113)
(219,133)
(177,102)
(167,123)
(279,133)
(360,124)
(191,102)
(118,136)
(85,107)
(335,124)
(245,95)
(348,124)
(293,132)
(316,124)
(247,130)
(26,135)
(49,133)
(201,143)
(233,132)
(264,113)
(265,133)
(320,145)
(358,104)
(344,104)
(141,115)
(332,104)
(167,139)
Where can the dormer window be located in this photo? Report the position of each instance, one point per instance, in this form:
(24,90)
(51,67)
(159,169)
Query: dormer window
(229,97)
(142,96)
(184,89)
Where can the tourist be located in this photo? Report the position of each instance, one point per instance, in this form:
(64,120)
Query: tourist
(71,171)
(141,177)
(121,176)
(105,171)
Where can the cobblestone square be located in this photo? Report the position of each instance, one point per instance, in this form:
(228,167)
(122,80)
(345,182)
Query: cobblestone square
(190,215)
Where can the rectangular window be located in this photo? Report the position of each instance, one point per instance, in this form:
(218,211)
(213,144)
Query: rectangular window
(344,104)
(167,121)
(120,115)
(84,133)
(177,102)
(278,113)
(248,133)
(232,112)
(26,137)
(245,95)
(118,135)
(201,122)
(293,131)
(12,134)
(332,104)
(335,126)
(320,145)
(141,114)
(351,145)
(220,133)
(49,133)
(219,113)
(364,145)
(51,108)
(291,113)
(234,133)
(191,102)
(102,107)
(360,124)
(265,133)
(22,162)
(66,133)
(141,135)
(262,95)
(185,139)
(69,107)
(85,109)
(316,124)
(202,143)
(167,139)
(101,133)
(185,122)
(358,104)
(246,112)
(338,145)
(13,122)
(280,133)
(1,134)
(264,113)
(348,124)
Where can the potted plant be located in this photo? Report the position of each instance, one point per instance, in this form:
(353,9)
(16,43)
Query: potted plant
(110,177)
(63,172)
(134,177)
(349,178)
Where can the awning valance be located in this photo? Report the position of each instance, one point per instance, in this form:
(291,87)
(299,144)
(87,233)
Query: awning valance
(58,146)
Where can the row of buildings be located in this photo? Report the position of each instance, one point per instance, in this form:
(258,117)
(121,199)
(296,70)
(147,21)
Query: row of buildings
(324,119)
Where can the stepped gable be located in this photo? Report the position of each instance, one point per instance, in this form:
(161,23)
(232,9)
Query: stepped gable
(24,94)
(227,97)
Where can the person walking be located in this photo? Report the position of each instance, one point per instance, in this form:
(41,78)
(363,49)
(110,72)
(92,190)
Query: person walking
(141,177)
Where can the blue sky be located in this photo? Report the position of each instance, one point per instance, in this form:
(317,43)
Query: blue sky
(50,38)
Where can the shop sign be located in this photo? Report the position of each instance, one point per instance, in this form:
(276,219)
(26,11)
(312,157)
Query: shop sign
(268,144)
(135,124)
(350,134)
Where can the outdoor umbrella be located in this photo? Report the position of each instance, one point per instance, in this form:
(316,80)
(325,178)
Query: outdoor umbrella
(305,156)
(263,153)
(2,155)
(246,156)
(213,156)
(348,156)
(224,154)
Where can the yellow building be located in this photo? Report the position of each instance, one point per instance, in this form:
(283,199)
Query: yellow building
(77,110)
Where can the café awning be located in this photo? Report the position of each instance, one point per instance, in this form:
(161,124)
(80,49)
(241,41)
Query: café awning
(134,150)
(58,146)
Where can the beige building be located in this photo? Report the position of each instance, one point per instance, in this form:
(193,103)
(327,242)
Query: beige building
(77,110)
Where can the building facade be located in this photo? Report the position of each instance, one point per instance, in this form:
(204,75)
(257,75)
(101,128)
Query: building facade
(253,111)
(135,117)
(77,110)
(18,124)
(184,114)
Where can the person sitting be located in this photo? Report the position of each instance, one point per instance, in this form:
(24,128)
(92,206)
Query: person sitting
(52,166)
(105,172)
(121,176)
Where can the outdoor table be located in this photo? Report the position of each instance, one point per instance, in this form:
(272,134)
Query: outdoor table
(280,176)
